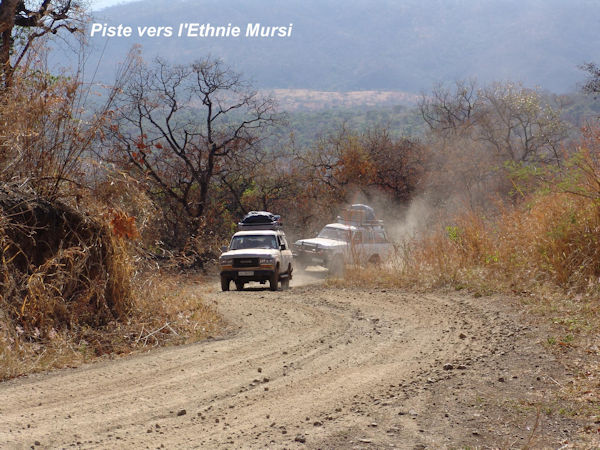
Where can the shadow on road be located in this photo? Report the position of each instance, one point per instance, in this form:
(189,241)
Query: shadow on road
(311,275)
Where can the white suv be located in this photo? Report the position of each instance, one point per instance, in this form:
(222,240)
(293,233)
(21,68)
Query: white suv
(357,238)
(257,255)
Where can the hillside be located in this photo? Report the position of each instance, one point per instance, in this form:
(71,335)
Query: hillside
(404,46)
(306,99)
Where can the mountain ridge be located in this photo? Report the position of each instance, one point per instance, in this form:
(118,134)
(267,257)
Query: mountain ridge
(384,45)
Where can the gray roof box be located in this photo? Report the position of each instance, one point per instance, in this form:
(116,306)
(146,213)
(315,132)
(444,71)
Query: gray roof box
(260,220)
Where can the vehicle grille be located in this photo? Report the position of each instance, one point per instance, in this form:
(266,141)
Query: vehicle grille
(245,262)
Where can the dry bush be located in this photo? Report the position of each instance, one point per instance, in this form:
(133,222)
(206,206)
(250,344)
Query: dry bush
(169,308)
(118,197)
(45,131)
(70,281)
(60,269)
(51,123)
(548,238)
(69,292)
(61,273)
(165,309)
(553,239)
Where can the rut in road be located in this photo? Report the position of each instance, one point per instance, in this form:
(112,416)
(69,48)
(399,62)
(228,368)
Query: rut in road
(308,367)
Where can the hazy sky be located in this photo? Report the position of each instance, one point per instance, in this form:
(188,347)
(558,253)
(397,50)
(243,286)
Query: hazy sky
(406,45)
(99,4)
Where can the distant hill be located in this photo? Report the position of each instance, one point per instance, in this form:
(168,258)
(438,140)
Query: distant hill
(387,45)
(305,99)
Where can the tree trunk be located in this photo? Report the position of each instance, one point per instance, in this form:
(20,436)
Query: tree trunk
(5,66)
(8,10)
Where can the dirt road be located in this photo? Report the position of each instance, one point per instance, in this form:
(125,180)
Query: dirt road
(312,367)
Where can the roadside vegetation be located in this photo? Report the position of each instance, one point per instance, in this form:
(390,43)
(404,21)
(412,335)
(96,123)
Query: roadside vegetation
(526,224)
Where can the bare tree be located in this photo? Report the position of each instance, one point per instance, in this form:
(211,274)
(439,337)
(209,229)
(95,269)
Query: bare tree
(259,180)
(180,127)
(450,111)
(509,119)
(592,85)
(49,125)
(21,22)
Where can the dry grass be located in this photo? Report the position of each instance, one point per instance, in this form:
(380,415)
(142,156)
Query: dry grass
(165,310)
(171,304)
(69,290)
(59,269)
(545,251)
(549,244)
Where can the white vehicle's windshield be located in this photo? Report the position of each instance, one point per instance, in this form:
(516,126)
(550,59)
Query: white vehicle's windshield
(250,241)
(335,234)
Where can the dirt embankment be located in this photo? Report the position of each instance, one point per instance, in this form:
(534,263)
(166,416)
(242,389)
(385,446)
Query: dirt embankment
(312,367)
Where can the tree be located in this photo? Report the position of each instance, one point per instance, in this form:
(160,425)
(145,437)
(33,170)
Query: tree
(180,128)
(48,125)
(449,111)
(517,124)
(21,22)
(399,164)
(510,120)
(371,163)
(592,85)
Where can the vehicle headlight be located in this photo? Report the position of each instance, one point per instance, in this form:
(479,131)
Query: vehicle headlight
(266,260)
(225,261)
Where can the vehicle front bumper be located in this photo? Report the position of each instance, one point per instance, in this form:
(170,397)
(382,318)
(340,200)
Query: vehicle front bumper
(312,255)
(247,274)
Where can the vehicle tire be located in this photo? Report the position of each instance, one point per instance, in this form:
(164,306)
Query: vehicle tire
(374,261)
(301,264)
(274,280)
(285,282)
(225,283)
(239,285)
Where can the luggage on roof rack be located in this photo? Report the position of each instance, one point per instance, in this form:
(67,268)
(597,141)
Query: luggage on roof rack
(359,215)
(260,220)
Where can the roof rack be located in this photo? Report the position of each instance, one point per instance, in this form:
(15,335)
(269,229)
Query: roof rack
(260,220)
(359,215)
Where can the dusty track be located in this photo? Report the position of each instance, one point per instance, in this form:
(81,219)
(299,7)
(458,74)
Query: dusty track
(312,367)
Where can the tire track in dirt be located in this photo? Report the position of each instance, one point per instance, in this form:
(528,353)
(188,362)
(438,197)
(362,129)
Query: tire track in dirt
(309,367)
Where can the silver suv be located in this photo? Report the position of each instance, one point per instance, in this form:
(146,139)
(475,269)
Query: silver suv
(356,238)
